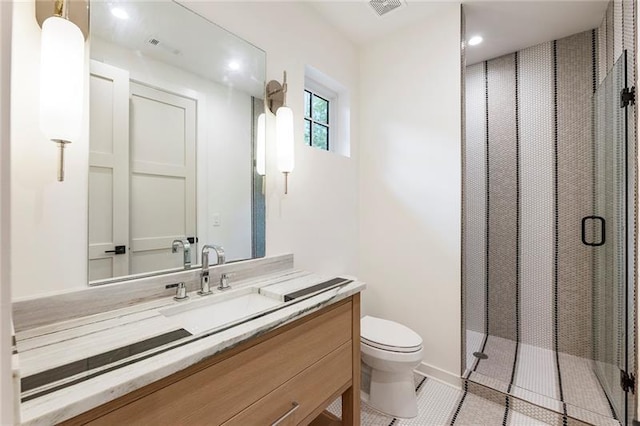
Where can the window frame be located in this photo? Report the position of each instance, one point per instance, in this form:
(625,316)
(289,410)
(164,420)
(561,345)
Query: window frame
(326,94)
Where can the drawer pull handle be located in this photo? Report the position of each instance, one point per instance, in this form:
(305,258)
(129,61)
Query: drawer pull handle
(294,407)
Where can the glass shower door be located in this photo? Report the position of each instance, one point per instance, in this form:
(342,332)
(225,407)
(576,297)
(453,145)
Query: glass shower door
(606,232)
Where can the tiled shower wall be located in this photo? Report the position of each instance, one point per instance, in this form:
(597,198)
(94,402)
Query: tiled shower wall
(528,183)
(529,126)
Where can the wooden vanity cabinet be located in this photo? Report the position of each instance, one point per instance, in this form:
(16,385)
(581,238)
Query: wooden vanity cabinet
(289,375)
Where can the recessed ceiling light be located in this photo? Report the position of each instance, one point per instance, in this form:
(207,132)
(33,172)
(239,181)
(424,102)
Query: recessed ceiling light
(119,13)
(234,65)
(475,40)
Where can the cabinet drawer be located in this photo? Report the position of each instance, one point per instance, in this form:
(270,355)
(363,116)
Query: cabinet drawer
(307,390)
(219,391)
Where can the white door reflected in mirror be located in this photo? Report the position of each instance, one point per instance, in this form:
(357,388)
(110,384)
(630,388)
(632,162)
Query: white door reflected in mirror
(146,174)
(173,130)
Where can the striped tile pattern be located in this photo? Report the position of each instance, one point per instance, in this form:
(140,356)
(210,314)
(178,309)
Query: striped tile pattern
(502,251)
(475,408)
(574,92)
(617,32)
(582,389)
(440,404)
(475,200)
(501,353)
(532,137)
(534,146)
(533,363)
(536,382)
(536,166)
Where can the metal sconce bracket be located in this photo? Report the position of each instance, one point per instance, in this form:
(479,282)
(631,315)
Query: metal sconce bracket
(77,12)
(276,94)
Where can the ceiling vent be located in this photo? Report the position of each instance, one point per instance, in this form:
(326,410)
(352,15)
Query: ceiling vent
(382,7)
(155,42)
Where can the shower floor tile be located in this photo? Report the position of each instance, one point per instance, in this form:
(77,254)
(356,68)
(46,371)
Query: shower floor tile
(474,344)
(536,378)
(499,364)
(581,386)
(534,368)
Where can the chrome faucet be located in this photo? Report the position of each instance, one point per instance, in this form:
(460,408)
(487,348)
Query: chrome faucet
(186,248)
(224,282)
(205,287)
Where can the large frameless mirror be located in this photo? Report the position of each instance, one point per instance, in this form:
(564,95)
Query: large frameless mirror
(174,101)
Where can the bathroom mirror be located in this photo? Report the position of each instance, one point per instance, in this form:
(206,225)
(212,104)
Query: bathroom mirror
(174,101)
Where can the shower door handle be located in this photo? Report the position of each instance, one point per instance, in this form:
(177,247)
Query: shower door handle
(603,234)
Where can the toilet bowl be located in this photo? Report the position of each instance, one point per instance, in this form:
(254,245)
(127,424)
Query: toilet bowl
(390,352)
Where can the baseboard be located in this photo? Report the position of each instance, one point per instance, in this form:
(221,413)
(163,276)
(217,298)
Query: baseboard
(440,375)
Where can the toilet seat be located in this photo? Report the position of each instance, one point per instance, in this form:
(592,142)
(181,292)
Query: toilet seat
(388,335)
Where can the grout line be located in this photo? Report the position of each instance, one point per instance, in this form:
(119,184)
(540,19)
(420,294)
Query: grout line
(505,419)
(487,199)
(459,407)
(518,214)
(555,226)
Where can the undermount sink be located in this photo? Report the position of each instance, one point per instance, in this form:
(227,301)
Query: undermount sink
(212,312)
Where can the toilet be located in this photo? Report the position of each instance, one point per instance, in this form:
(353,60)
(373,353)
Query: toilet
(390,352)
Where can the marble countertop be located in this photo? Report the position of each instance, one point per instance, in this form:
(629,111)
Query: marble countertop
(72,366)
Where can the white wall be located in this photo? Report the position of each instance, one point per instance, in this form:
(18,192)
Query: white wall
(224,173)
(410,184)
(6,389)
(317,220)
(49,226)
(408,228)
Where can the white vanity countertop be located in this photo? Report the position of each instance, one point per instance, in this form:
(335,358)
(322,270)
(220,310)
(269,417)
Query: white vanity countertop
(91,347)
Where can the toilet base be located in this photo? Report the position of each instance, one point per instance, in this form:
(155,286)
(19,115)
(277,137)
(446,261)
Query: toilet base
(393,393)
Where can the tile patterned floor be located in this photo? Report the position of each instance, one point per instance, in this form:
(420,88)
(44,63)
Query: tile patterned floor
(439,403)
(536,377)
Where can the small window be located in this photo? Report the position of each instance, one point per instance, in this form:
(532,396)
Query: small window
(326,113)
(316,119)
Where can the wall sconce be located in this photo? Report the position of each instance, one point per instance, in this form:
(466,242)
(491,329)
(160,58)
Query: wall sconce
(261,148)
(277,102)
(61,79)
(261,145)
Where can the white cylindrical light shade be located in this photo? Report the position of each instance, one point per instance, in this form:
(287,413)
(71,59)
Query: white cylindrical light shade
(284,135)
(261,145)
(61,79)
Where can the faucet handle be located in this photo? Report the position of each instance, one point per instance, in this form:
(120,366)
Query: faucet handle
(205,288)
(224,281)
(181,293)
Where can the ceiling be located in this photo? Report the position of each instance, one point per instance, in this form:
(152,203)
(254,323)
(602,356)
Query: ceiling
(510,26)
(506,26)
(165,31)
(360,23)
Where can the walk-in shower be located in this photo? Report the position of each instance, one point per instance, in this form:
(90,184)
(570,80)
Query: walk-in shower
(549,196)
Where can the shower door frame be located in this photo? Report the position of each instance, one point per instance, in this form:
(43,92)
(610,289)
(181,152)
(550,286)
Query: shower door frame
(629,302)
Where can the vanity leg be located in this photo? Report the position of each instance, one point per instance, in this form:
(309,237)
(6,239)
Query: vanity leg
(351,397)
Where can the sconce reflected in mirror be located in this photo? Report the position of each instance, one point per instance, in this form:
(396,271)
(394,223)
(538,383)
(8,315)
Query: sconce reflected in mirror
(261,145)
(61,79)
(277,102)
(261,148)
